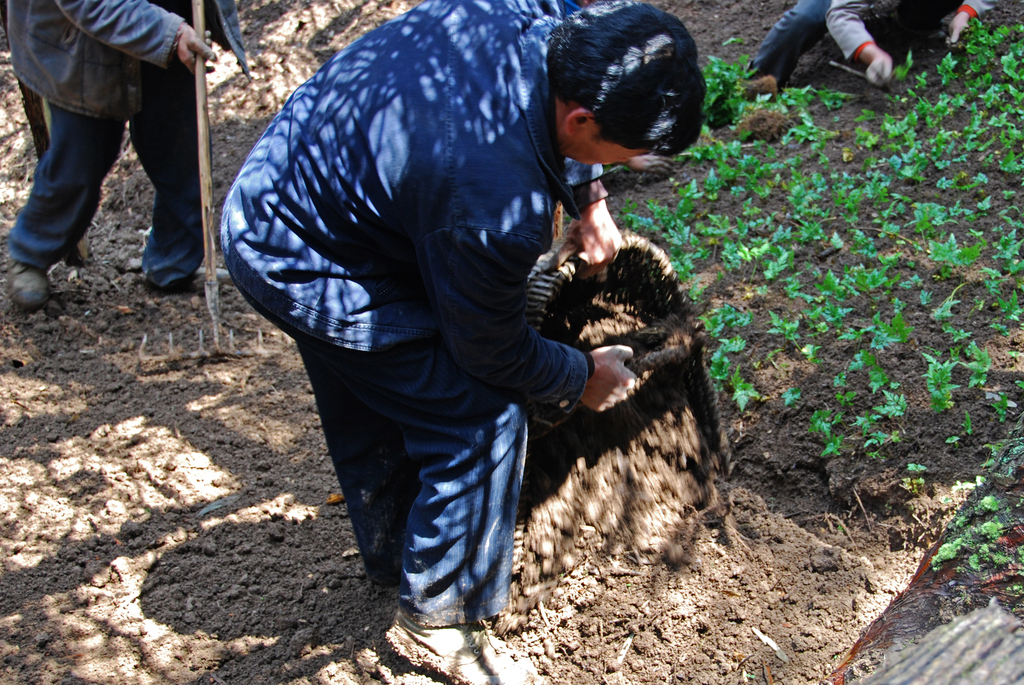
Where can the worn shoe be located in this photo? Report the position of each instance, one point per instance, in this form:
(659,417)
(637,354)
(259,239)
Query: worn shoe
(28,286)
(465,654)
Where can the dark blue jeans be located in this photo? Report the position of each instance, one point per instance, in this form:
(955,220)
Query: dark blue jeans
(800,29)
(796,32)
(431,462)
(68,178)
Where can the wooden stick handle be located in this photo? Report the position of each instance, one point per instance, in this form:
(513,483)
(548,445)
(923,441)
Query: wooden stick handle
(205,170)
(847,69)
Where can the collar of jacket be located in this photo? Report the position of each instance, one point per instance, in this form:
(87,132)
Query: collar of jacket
(538,105)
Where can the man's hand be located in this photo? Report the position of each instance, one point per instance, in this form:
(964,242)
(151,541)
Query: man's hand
(611,381)
(655,164)
(956,26)
(189,46)
(595,238)
(879,64)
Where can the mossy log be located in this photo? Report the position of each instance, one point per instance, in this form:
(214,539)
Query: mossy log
(985,647)
(978,558)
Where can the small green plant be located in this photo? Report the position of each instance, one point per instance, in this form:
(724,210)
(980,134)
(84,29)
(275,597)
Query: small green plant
(742,391)
(822,421)
(724,101)
(895,405)
(914,483)
(981,362)
(939,378)
(1002,406)
(791,397)
(900,72)
(787,329)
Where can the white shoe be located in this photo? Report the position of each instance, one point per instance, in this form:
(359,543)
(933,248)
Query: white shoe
(466,654)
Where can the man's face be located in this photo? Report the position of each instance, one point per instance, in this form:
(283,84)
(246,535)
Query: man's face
(579,138)
(599,151)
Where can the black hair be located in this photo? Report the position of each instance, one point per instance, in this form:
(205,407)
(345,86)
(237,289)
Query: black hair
(634,67)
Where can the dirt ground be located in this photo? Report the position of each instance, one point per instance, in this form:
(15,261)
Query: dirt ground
(165,516)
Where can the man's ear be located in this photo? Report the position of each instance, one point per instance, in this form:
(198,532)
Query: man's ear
(578,120)
(572,118)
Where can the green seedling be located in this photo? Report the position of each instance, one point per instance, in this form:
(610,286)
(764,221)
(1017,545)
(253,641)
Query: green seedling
(914,483)
(980,363)
(742,391)
(939,378)
(1002,406)
(900,72)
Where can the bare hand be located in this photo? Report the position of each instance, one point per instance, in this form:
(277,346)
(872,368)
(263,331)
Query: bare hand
(611,381)
(654,164)
(595,238)
(956,26)
(190,47)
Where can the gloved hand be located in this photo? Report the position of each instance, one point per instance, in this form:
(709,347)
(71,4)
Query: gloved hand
(956,26)
(189,46)
(880,70)
(611,381)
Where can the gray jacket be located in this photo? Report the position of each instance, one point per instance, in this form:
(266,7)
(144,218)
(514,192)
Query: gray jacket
(83,55)
(845,20)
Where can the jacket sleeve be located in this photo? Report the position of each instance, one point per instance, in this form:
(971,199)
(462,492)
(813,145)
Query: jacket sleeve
(476,281)
(980,7)
(135,27)
(845,21)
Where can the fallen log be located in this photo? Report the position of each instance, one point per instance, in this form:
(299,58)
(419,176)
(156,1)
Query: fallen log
(978,558)
(985,647)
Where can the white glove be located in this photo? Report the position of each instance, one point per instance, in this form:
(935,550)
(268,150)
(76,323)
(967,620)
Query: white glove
(957,25)
(880,71)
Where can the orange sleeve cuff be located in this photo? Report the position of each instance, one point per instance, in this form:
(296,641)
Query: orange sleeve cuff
(856,53)
(969,10)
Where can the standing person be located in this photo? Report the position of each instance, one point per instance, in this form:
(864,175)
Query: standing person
(99,64)
(845,21)
(388,219)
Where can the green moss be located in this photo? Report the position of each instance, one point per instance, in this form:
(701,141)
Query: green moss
(992,530)
(950,550)
(1001,559)
(989,503)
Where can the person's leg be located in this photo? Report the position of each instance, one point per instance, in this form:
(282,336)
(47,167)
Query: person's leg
(924,15)
(468,440)
(376,475)
(796,32)
(66,188)
(165,137)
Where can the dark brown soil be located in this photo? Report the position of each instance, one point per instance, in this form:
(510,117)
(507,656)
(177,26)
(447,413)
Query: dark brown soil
(166,517)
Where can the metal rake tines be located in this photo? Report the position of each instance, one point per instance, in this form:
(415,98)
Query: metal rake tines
(177,353)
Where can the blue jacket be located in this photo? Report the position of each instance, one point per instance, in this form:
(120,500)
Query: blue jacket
(83,55)
(407,189)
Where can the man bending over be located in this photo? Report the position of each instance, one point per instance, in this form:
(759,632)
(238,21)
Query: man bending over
(388,219)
